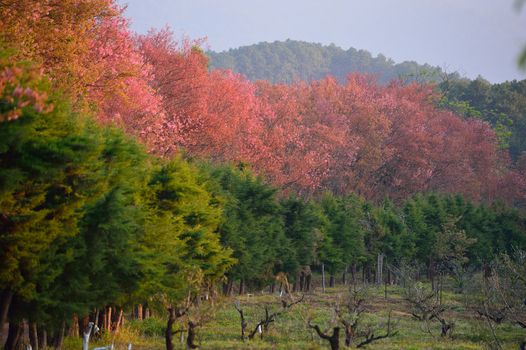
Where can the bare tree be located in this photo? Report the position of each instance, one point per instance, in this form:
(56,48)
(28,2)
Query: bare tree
(370,336)
(333,339)
(426,308)
(173,315)
(513,292)
(262,326)
(501,294)
(350,316)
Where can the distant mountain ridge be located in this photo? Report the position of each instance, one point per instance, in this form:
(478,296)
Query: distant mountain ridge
(292,60)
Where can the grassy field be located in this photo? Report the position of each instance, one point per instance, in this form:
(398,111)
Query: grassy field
(222,329)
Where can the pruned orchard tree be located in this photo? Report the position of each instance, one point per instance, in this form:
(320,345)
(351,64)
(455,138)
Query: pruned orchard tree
(350,315)
(424,302)
(189,319)
(498,295)
(427,308)
(269,317)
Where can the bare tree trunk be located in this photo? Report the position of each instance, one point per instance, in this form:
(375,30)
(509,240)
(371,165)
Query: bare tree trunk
(59,341)
(96,318)
(241,286)
(367,271)
(334,339)
(440,289)
(331,280)
(379,268)
(102,318)
(181,337)
(13,336)
(385,288)
(108,319)
(323,277)
(243,322)
(173,314)
(146,312)
(168,335)
(24,337)
(42,338)
(74,328)
(5,303)
(83,322)
(353,273)
(190,340)
(431,275)
(230,286)
(308,282)
(139,311)
(446,328)
(119,320)
(33,336)
(344,275)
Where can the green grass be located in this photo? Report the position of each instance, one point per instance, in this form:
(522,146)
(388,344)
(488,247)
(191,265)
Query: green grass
(222,329)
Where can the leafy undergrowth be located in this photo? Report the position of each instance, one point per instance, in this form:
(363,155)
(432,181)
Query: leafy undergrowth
(290,330)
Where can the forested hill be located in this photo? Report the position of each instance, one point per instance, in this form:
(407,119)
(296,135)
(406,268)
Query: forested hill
(291,60)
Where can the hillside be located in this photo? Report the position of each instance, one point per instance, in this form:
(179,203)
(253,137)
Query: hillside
(291,60)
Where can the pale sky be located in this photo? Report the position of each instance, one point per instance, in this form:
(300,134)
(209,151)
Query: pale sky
(470,36)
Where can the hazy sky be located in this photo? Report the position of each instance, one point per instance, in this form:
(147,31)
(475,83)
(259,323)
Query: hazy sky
(471,36)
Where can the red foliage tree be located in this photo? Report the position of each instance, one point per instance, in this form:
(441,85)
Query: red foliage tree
(374,140)
(207,114)
(122,88)
(180,78)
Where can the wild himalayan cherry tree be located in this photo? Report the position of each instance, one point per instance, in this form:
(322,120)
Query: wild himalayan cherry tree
(207,114)
(375,141)
(56,34)
(87,50)
(122,88)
